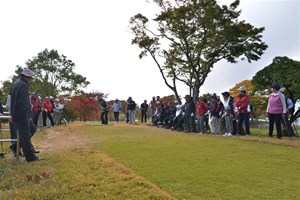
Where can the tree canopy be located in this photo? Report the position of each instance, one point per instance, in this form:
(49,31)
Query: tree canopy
(282,70)
(191,36)
(54,74)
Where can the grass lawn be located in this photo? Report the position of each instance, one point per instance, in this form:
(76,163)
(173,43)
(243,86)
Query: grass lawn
(121,161)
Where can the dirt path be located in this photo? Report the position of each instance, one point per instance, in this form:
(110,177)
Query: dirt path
(63,138)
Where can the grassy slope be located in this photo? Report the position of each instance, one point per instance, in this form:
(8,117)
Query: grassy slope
(125,161)
(205,166)
(80,172)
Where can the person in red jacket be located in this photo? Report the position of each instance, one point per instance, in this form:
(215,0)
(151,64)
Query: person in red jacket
(36,108)
(201,110)
(47,107)
(242,104)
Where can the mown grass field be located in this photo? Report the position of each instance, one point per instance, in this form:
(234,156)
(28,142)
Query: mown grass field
(122,161)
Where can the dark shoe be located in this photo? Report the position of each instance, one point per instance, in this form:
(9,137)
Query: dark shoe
(36,151)
(13,148)
(37,159)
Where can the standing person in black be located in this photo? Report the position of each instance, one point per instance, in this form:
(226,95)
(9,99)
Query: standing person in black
(104,111)
(190,111)
(144,109)
(21,111)
(131,110)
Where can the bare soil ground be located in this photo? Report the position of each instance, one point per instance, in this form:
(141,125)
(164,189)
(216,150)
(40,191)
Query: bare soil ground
(63,138)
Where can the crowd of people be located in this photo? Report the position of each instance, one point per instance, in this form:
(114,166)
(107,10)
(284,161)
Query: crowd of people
(202,116)
(51,110)
(229,116)
(116,108)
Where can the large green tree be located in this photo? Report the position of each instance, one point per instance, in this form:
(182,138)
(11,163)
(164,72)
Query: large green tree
(54,74)
(190,36)
(284,71)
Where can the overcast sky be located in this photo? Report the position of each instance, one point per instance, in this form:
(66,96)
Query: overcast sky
(94,34)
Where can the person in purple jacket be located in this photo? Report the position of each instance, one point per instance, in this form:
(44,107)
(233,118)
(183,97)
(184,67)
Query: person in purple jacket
(276,109)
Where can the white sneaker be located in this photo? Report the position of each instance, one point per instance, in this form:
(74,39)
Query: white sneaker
(226,134)
(229,134)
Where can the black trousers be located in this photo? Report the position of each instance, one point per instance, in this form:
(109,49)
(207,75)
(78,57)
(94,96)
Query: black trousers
(13,132)
(189,123)
(23,127)
(104,118)
(45,115)
(277,119)
(288,126)
(144,116)
(116,115)
(35,117)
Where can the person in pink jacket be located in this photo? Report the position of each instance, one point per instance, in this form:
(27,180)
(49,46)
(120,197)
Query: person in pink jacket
(242,103)
(275,109)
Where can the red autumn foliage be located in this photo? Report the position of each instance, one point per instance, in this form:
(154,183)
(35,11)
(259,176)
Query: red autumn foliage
(85,107)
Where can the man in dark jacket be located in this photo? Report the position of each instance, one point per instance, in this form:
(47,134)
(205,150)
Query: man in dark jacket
(144,109)
(104,111)
(131,110)
(21,111)
(190,111)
